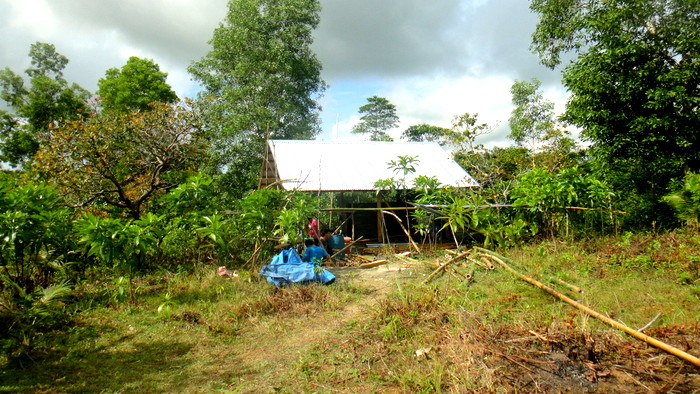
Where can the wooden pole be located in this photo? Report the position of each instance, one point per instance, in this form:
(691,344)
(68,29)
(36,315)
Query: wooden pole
(380,218)
(404,230)
(641,336)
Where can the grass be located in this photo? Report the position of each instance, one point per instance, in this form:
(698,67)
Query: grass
(367,334)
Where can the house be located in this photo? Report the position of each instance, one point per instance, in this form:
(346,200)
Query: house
(317,166)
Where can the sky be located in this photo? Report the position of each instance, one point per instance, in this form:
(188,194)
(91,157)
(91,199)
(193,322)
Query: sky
(432,59)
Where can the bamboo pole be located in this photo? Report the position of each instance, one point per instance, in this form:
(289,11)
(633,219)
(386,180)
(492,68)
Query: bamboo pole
(442,267)
(485,259)
(406,260)
(569,285)
(478,262)
(404,229)
(346,247)
(641,336)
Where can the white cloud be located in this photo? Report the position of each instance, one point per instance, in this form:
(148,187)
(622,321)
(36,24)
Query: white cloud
(432,60)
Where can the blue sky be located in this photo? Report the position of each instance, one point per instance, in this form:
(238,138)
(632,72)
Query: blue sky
(432,59)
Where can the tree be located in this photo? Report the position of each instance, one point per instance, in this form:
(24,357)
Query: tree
(264,79)
(425,132)
(465,130)
(48,100)
(379,115)
(123,159)
(635,85)
(138,83)
(533,116)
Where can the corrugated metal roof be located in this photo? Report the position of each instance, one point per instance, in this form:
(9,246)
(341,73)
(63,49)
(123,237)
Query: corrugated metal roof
(337,166)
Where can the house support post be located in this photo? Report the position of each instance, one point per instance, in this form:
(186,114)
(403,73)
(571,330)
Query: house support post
(380,219)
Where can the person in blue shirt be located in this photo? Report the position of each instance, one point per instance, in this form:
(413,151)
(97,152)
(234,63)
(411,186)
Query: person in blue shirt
(314,253)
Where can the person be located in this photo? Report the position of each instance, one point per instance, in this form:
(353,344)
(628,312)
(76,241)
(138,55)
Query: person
(314,253)
(313,229)
(325,240)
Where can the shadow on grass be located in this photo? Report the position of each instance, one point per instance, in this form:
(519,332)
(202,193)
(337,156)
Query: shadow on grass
(128,364)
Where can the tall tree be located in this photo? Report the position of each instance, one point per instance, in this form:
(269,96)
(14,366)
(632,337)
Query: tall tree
(133,87)
(264,79)
(533,116)
(635,84)
(378,116)
(48,99)
(123,159)
(425,132)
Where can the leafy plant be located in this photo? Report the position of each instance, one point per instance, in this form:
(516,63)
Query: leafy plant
(686,201)
(549,198)
(119,243)
(26,317)
(165,307)
(35,233)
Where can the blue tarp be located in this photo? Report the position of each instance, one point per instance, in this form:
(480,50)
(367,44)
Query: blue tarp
(287,267)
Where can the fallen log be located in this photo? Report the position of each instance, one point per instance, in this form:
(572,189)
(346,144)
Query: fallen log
(641,336)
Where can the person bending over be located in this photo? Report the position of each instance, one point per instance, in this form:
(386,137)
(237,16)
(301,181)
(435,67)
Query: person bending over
(314,253)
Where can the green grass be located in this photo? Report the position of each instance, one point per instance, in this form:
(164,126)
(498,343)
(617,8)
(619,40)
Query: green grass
(243,335)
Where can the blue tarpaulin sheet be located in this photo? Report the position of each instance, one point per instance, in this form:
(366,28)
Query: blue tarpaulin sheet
(287,268)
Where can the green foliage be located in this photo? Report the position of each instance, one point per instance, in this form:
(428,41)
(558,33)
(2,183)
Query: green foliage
(216,229)
(138,84)
(193,229)
(35,233)
(259,212)
(261,81)
(545,197)
(378,116)
(465,130)
(634,84)
(403,165)
(686,201)
(123,159)
(28,315)
(119,243)
(425,132)
(293,218)
(165,307)
(533,116)
(47,100)
(495,166)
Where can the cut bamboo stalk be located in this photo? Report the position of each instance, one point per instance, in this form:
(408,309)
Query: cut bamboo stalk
(478,262)
(442,267)
(485,259)
(641,336)
(569,285)
(373,264)
(462,274)
(455,275)
(360,257)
